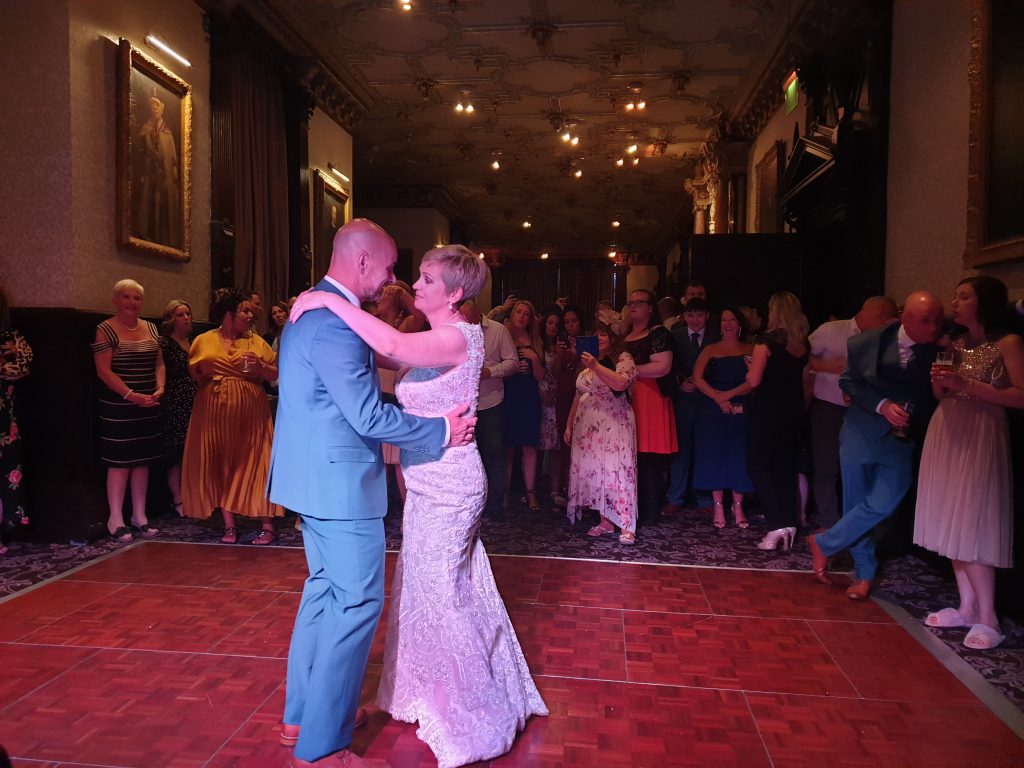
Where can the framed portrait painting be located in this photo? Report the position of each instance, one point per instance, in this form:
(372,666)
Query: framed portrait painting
(330,211)
(154,156)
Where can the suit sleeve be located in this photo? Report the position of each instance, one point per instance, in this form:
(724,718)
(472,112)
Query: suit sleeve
(853,380)
(342,361)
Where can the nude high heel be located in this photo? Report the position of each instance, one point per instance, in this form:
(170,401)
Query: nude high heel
(773,538)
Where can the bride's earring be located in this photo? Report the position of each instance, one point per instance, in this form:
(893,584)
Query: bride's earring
(451,306)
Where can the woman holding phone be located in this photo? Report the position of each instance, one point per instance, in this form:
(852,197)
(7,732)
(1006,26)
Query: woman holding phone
(602,434)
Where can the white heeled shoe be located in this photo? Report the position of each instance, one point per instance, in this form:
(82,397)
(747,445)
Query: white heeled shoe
(772,539)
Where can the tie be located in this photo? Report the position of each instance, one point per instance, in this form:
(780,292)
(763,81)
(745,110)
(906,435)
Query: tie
(915,354)
(695,340)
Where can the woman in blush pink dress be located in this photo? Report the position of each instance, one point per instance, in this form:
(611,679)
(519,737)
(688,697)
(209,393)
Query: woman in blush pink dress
(602,434)
(452,662)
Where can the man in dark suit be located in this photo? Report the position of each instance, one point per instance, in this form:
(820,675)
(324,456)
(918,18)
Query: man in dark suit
(888,381)
(689,337)
(326,465)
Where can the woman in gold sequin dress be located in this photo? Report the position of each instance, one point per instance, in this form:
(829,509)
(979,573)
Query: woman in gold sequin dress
(965,490)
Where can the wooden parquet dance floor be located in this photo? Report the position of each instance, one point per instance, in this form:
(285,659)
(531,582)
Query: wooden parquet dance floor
(173,655)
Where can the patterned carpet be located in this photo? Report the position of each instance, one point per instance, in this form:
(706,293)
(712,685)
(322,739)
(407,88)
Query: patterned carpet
(687,539)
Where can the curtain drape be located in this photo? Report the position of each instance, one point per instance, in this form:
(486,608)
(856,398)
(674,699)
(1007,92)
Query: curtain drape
(260,169)
(584,282)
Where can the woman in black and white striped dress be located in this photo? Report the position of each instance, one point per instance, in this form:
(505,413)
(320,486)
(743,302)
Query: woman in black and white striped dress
(131,371)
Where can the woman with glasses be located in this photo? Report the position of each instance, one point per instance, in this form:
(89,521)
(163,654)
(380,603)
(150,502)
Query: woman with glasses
(650,346)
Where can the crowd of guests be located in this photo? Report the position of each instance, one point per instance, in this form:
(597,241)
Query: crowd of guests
(631,415)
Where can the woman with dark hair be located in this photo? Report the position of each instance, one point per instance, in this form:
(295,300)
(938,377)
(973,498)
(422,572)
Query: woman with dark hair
(567,366)
(278,319)
(15,361)
(130,367)
(965,488)
(180,390)
(650,346)
(720,427)
(227,450)
(776,374)
(602,435)
(552,344)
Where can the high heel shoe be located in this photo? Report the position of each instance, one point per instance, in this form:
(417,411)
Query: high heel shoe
(738,517)
(719,515)
(772,539)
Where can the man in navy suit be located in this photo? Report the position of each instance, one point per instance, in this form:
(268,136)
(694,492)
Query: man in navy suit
(690,338)
(888,381)
(326,465)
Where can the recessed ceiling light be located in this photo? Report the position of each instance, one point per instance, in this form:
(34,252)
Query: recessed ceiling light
(611,254)
(615,223)
(481,255)
(527,224)
(496,165)
(631,149)
(578,173)
(636,161)
(544,255)
(406,5)
(619,162)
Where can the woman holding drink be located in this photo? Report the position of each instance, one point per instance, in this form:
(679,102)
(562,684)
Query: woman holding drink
(965,489)
(227,450)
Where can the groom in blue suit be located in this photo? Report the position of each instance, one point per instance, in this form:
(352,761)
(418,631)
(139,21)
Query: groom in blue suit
(886,369)
(326,465)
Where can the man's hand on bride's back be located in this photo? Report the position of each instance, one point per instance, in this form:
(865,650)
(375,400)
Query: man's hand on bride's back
(306,301)
(461,426)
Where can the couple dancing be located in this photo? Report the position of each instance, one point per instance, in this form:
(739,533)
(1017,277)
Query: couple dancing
(452,661)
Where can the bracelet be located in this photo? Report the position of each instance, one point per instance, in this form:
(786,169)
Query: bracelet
(129,393)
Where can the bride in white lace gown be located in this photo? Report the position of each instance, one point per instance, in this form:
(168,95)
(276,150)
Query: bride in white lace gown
(452,662)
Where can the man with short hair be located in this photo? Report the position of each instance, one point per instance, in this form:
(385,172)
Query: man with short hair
(888,380)
(694,290)
(326,464)
(690,338)
(828,408)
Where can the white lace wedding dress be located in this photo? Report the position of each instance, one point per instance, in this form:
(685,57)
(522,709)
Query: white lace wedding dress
(452,661)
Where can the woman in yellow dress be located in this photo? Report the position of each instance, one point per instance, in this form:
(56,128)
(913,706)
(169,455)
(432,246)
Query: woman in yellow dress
(227,450)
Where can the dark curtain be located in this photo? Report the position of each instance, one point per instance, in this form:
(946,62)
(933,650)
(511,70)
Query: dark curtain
(584,282)
(260,169)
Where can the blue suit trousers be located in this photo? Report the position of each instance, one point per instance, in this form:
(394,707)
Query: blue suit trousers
(341,604)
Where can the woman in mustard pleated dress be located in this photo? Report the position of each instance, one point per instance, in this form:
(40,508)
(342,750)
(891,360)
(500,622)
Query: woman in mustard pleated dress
(227,450)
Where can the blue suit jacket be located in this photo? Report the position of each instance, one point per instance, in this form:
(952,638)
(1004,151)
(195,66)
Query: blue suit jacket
(873,373)
(326,459)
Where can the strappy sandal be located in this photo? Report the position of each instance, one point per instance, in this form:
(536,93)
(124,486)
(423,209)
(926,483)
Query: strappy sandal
(719,515)
(737,515)
(627,538)
(263,538)
(600,530)
(230,536)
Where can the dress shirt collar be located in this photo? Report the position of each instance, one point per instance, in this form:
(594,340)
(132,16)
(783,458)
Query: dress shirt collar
(344,291)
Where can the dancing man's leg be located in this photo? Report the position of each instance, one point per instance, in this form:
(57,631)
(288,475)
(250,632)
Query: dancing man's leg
(351,556)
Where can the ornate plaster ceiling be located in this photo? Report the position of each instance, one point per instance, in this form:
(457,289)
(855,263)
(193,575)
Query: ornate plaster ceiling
(530,67)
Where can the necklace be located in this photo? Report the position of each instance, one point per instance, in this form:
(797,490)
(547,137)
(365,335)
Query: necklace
(129,327)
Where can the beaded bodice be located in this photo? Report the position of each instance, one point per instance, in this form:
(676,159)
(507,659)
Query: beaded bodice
(982,363)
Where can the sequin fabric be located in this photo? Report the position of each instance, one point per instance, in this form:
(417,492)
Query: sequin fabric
(982,363)
(452,661)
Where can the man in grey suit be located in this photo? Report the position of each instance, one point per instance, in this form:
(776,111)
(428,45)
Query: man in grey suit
(326,465)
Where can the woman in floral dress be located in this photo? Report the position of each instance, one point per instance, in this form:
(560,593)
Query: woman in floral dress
(602,434)
(15,359)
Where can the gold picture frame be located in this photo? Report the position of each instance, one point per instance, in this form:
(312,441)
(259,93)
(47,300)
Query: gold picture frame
(992,183)
(154,178)
(330,212)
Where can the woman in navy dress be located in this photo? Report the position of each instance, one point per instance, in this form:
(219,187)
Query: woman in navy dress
(720,428)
